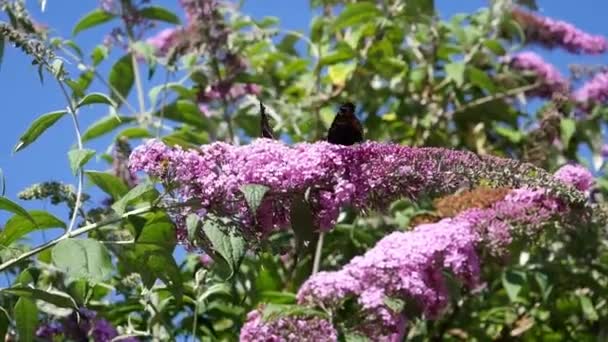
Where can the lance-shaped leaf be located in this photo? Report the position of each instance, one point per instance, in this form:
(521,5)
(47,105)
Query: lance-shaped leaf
(160,14)
(121,79)
(26,319)
(39,126)
(56,298)
(18,226)
(254,194)
(8,205)
(92,19)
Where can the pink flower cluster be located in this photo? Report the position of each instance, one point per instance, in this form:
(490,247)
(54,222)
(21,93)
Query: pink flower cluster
(409,266)
(575,175)
(403,265)
(550,78)
(556,33)
(165,40)
(287,328)
(594,91)
(368,175)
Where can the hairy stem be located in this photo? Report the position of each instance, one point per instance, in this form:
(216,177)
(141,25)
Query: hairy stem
(74,233)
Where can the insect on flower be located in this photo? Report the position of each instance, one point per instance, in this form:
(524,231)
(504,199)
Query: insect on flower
(346,128)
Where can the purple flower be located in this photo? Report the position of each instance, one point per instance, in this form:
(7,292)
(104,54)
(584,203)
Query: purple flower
(288,328)
(575,175)
(408,266)
(550,78)
(594,91)
(403,265)
(83,327)
(367,175)
(556,33)
(165,40)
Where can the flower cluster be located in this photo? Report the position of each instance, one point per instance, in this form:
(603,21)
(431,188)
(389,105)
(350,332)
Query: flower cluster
(593,91)
(165,40)
(550,78)
(287,328)
(575,175)
(403,265)
(81,326)
(368,175)
(409,267)
(553,33)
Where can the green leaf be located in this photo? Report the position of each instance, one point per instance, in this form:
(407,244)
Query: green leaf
(193,225)
(160,14)
(39,126)
(254,194)
(481,79)
(152,254)
(137,193)
(277,297)
(110,184)
(395,304)
(352,336)
(226,241)
(121,79)
(99,53)
(92,19)
(455,72)
(96,98)
(567,128)
(495,46)
(79,158)
(342,53)
(158,231)
(26,319)
(273,311)
(184,111)
(302,221)
(133,133)
(513,282)
(4,323)
(356,13)
(59,299)
(104,126)
(588,308)
(83,258)
(8,205)
(18,226)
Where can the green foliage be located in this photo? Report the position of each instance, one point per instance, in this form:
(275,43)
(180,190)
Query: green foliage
(92,19)
(417,80)
(39,126)
(83,258)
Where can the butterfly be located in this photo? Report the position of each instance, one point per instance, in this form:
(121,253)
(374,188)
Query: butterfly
(346,128)
(264,124)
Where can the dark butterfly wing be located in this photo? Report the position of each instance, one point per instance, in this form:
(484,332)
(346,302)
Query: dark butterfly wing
(264,124)
(346,128)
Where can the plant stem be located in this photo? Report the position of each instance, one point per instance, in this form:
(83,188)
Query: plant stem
(490,98)
(78,201)
(138,85)
(318,252)
(74,233)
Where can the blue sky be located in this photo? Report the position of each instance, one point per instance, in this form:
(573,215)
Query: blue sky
(24,98)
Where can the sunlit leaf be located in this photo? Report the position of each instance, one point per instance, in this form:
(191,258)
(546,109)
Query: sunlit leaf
(92,19)
(78,158)
(83,258)
(39,126)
